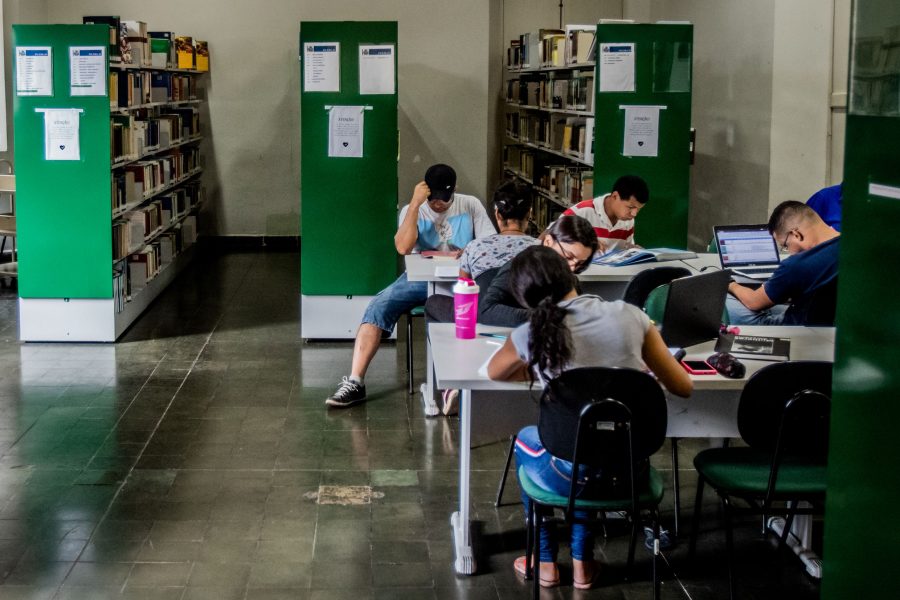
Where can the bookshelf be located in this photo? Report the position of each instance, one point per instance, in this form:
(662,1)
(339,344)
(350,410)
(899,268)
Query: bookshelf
(567,138)
(101,235)
(549,100)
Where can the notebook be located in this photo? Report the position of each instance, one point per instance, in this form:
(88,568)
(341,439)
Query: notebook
(694,307)
(747,250)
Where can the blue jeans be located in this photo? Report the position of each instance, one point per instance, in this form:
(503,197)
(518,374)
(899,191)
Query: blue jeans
(738,314)
(553,475)
(386,308)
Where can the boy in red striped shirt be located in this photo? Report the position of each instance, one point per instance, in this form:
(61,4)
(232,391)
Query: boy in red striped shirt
(612,215)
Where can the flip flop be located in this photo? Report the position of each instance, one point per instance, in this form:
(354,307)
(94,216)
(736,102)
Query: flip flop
(595,578)
(519,566)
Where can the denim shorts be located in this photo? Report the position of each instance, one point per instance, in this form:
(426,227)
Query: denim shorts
(386,308)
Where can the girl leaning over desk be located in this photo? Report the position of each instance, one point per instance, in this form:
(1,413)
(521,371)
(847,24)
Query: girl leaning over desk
(564,331)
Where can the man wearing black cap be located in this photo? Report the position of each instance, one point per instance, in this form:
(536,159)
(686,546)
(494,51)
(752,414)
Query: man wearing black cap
(436,218)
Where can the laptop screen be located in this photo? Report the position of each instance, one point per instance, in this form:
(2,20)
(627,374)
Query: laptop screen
(745,245)
(694,308)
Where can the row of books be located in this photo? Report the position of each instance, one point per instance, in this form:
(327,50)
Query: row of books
(137,227)
(552,47)
(572,136)
(130,43)
(131,136)
(569,184)
(129,89)
(132,275)
(141,180)
(575,92)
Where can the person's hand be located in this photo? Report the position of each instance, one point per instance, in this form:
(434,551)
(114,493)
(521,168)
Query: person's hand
(602,247)
(630,246)
(458,253)
(420,195)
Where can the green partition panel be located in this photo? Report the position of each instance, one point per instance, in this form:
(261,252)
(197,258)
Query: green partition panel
(63,208)
(349,204)
(863,477)
(662,77)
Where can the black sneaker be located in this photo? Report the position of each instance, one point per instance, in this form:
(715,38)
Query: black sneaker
(347,394)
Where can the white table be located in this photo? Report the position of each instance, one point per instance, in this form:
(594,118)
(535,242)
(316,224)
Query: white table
(419,268)
(711,412)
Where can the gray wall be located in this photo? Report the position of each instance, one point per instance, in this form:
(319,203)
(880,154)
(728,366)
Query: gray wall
(731,109)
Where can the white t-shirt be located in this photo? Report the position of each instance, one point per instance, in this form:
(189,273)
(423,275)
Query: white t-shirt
(612,236)
(465,220)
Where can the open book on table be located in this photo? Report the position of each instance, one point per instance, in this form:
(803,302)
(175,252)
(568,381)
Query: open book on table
(632,256)
(755,347)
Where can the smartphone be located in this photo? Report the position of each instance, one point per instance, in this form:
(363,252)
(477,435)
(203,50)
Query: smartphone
(698,367)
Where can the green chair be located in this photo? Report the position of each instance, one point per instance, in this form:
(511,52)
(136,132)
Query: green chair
(783,417)
(607,419)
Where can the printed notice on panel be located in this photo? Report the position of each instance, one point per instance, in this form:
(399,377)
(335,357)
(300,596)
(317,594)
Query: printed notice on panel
(617,67)
(376,69)
(322,67)
(345,131)
(61,140)
(87,71)
(641,130)
(34,71)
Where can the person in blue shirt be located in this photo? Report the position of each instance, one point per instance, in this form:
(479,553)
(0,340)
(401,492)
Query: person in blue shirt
(785,297)
(827,204)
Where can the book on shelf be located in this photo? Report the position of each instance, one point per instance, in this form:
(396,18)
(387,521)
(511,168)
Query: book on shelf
(135,34)
(114,31)
(755,347)
(553,43)
(162,53)
(633,256)
(579,39)
(184,51)
(201,49)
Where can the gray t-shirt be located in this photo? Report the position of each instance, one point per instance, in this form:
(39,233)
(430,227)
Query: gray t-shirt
(492,251)
(604,334)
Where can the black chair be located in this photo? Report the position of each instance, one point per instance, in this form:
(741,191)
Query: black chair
(607,419)
(645,282)
(819,309)
(636,293)
(783,417)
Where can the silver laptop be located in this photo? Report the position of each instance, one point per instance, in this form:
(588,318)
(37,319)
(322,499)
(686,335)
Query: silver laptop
(747,250)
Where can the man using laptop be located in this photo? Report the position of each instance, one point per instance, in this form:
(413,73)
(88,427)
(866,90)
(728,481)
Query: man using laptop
(436,218)
(784,298)
(612,215)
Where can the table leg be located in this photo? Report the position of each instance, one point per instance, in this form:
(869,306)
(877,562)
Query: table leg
(676,492)
(427,389)
(460,521)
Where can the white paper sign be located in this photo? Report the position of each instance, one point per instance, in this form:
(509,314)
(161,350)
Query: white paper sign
(376,69)
(616,67)
(641,130)
(61,141)
(34,71)
(87,71)
(345,131)
(322,70)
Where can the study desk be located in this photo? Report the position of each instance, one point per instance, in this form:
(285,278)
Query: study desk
(606,281)
(711,412)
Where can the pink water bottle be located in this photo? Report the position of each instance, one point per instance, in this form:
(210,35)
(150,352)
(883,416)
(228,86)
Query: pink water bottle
(465,308)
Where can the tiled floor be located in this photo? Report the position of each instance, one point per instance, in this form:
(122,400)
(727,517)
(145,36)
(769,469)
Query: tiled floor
(184,462)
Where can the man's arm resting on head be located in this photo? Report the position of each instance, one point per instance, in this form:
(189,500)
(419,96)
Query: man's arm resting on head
(753,299)
(408,233)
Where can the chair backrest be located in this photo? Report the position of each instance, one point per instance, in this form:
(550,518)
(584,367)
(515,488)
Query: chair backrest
(819,308)
(574,416)
(644,282)
(786,406)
